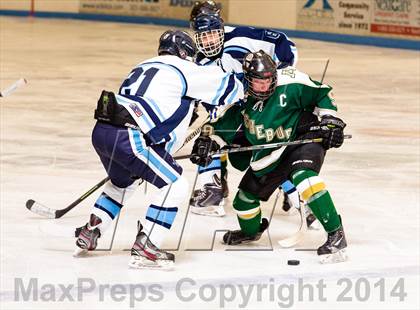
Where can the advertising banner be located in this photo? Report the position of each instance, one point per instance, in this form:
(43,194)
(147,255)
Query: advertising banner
(352,16)
(315,15)
(360,17)
(400,17)
(337,16)
(176,9)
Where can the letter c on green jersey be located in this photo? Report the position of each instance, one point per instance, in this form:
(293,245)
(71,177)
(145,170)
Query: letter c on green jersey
(283,101)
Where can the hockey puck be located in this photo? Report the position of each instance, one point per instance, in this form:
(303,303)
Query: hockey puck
(293,262)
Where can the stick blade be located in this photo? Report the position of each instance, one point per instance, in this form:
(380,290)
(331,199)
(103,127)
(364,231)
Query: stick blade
(298,236)
(12,88)
(40,209)
(292,240)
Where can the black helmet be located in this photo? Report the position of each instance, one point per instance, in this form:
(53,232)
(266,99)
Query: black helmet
(205,7)
(177,43)
(260,66)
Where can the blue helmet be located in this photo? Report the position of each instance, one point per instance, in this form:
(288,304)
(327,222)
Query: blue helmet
(206,22)
(208,33)
(177,43)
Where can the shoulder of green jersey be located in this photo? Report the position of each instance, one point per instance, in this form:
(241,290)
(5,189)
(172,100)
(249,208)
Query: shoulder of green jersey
(291,75)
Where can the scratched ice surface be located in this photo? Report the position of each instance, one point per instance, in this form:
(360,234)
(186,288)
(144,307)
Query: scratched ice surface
(46,155)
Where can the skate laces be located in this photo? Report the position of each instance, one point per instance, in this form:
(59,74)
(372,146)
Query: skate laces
(333,236)
(202,194)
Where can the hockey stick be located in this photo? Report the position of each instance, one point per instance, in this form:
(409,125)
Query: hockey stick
(8,91)
(44,211)
(47,212)
(296,237)
(261,147)
(194,133)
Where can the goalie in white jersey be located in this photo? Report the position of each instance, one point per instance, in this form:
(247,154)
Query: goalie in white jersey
(225,46)
(137,132)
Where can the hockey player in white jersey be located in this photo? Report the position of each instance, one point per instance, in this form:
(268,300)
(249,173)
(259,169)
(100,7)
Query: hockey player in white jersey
(137,132)
(226,47)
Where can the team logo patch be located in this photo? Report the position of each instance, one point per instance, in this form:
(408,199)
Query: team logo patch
(272,34)
(289,71)
(135,109)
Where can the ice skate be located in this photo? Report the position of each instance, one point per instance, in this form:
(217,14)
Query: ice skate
(235,237)
(209,200)
(334,249)
(87,236)
(145,255)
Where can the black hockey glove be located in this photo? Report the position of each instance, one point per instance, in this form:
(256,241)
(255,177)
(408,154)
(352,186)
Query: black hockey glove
(203,146)
(332,131)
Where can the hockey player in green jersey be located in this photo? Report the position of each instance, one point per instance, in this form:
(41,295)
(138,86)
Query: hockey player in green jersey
(282,105)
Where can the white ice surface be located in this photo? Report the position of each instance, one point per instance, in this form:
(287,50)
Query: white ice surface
(46,155)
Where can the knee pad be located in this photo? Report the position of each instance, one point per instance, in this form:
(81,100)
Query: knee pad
(308,183)
(121,195)
(110,202)
(172,194)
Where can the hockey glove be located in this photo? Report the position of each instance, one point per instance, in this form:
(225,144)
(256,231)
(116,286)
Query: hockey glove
(202,148)
(332,131)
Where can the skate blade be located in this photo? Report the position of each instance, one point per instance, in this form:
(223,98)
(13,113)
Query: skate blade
(78,252)
(140,262)
(219,212)
(334,258)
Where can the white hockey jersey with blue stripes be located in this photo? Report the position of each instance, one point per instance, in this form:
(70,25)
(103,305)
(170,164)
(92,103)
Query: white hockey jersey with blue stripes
(242,40)
(159,94)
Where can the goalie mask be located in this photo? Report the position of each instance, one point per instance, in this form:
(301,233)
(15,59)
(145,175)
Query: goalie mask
(208,33)
(177,43)
(260,74)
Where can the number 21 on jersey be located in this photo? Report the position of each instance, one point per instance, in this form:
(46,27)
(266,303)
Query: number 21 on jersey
(131,85)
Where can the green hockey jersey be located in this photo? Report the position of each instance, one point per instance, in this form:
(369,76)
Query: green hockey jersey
(275,119)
